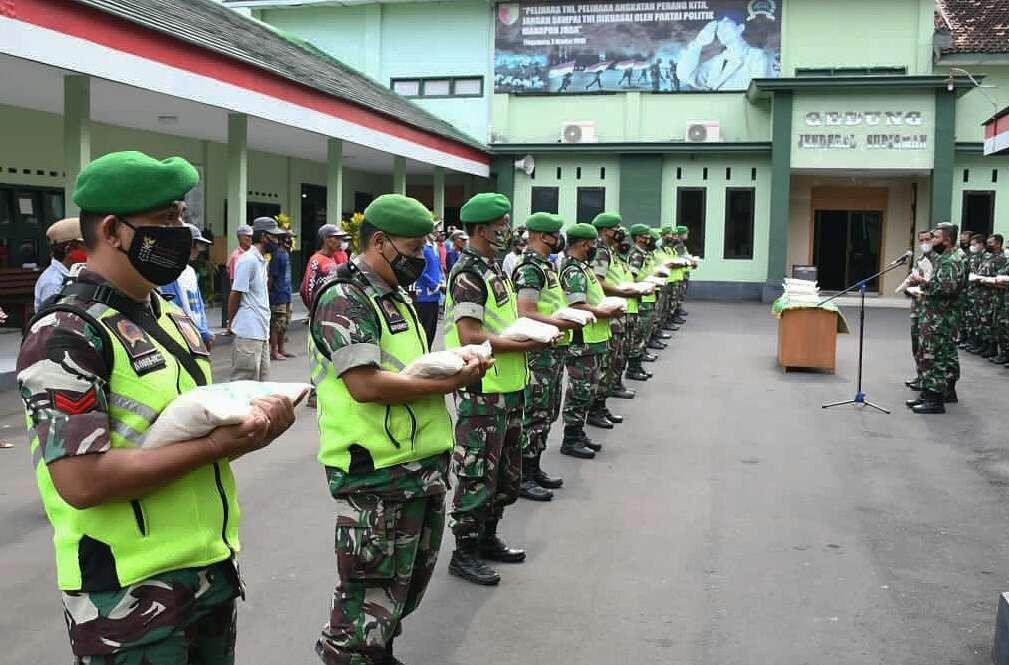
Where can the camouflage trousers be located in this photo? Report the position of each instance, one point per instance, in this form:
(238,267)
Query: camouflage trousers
(542,398)
(985,316)
(1000,321)
(972,312)
(938,354)
(487,460)
(679,293)
(915,333)
(386,549)
(204,635)
(643,330)
(585,368)
(616,358)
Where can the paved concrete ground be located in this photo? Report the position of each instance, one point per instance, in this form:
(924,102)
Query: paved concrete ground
(732,521)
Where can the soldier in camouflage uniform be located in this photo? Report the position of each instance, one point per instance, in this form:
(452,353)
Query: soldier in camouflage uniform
(145,538)
(987,269)
(385,437)
(480,304)
(640,263)
(539,295)
(587,352)
(612,272)
(973,296)
(922,268)
(941,314)
(997,265)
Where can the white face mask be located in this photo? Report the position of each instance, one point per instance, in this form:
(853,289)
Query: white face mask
(925,247)
(974,249)
(1005,252)
(345,245)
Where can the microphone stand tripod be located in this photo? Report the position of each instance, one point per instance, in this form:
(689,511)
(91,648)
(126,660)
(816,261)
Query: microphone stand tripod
(860,285)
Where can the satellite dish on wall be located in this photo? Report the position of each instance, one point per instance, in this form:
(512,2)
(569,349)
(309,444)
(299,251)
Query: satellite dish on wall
(527,165)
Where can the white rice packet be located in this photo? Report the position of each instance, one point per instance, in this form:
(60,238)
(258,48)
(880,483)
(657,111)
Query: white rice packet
(579,316)
(201,410)
(526,329)
(614,302)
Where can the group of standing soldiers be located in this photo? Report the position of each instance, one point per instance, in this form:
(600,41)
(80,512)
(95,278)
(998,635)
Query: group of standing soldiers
(959,293)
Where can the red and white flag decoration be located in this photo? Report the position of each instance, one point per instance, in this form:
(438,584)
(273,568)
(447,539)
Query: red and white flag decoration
(996,134)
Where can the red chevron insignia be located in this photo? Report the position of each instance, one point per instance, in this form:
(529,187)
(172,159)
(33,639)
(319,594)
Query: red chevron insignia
(63,401)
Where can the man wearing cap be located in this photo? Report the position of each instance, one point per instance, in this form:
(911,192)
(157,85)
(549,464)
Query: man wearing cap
(333,243)
(479,304)
(682,234)
(639,262)
(385,436)
(249,305)
(244,234)
(67,248)
(145,538)
(458,240)
(539,296)
(185,291)
(612,272)
(586,355)
(278,280)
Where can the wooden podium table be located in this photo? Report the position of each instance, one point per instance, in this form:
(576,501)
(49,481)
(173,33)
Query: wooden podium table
(807,338)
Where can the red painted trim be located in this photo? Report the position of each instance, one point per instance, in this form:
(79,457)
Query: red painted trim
(93,25)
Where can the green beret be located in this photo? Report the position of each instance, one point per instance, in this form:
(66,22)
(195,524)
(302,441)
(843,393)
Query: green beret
(681,229)
(606,220)
(667,230)
(544,222)
(582,232)
(399,215)
(484,208)
(639,230)
(655,233)
(126,183)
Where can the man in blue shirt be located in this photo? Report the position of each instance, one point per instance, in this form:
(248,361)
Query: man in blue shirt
(67,247)
(427,290)
(279,280)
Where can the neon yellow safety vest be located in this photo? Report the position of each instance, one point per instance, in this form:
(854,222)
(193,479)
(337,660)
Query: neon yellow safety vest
(392,434)
(619,273)
(599,331)
(647,269)
(551,296)
(510,372)
(189,523)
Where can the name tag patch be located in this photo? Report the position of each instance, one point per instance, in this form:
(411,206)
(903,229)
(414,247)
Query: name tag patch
(144,356)
(194,340)
(500,291)
(394,319)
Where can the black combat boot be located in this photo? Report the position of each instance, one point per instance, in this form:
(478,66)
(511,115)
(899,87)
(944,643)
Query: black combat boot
(542,478)
(930,403)
(682,312)
(911,403)
(679,320)
(590,444)
(988,351)
(669,326)
(914,384)
(950,396)
(662,334)
(466,564)
(620,391)
(530,489)
(573,444)
(493,548)
(635,372)
(612,417)
(656,344)
(647,357)
(597,418)
(999,358)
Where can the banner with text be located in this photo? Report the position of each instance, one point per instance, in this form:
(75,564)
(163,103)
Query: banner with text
(675,46)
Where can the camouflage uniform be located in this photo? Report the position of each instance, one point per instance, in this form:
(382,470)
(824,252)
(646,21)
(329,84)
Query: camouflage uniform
(1000,309)
(177,617)
(584,362)
(922,265)
(986,297)
(546,366)
(639,261)
(619,343)
(389,522)
(488,431)
(972,299)
(939,321)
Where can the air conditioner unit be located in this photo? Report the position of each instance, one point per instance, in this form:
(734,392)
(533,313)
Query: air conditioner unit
(583,131)
(708,131)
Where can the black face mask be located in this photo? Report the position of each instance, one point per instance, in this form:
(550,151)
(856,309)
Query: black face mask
(558,244)
(938,248)
(407,269)
(619,236)
(590,255)
(624,247)
(159,253)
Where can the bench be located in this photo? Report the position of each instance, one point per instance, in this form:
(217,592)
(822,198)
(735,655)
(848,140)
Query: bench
(17,293)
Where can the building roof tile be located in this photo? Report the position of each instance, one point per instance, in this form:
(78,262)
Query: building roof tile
(976,26)
(213,26)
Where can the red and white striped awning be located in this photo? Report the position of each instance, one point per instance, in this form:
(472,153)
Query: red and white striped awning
(996,133)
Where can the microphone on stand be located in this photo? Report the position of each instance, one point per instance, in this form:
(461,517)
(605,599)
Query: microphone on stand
(903,257)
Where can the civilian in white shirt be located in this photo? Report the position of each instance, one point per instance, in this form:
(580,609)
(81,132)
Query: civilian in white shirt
(249,305)
(512,260)
(67,248)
